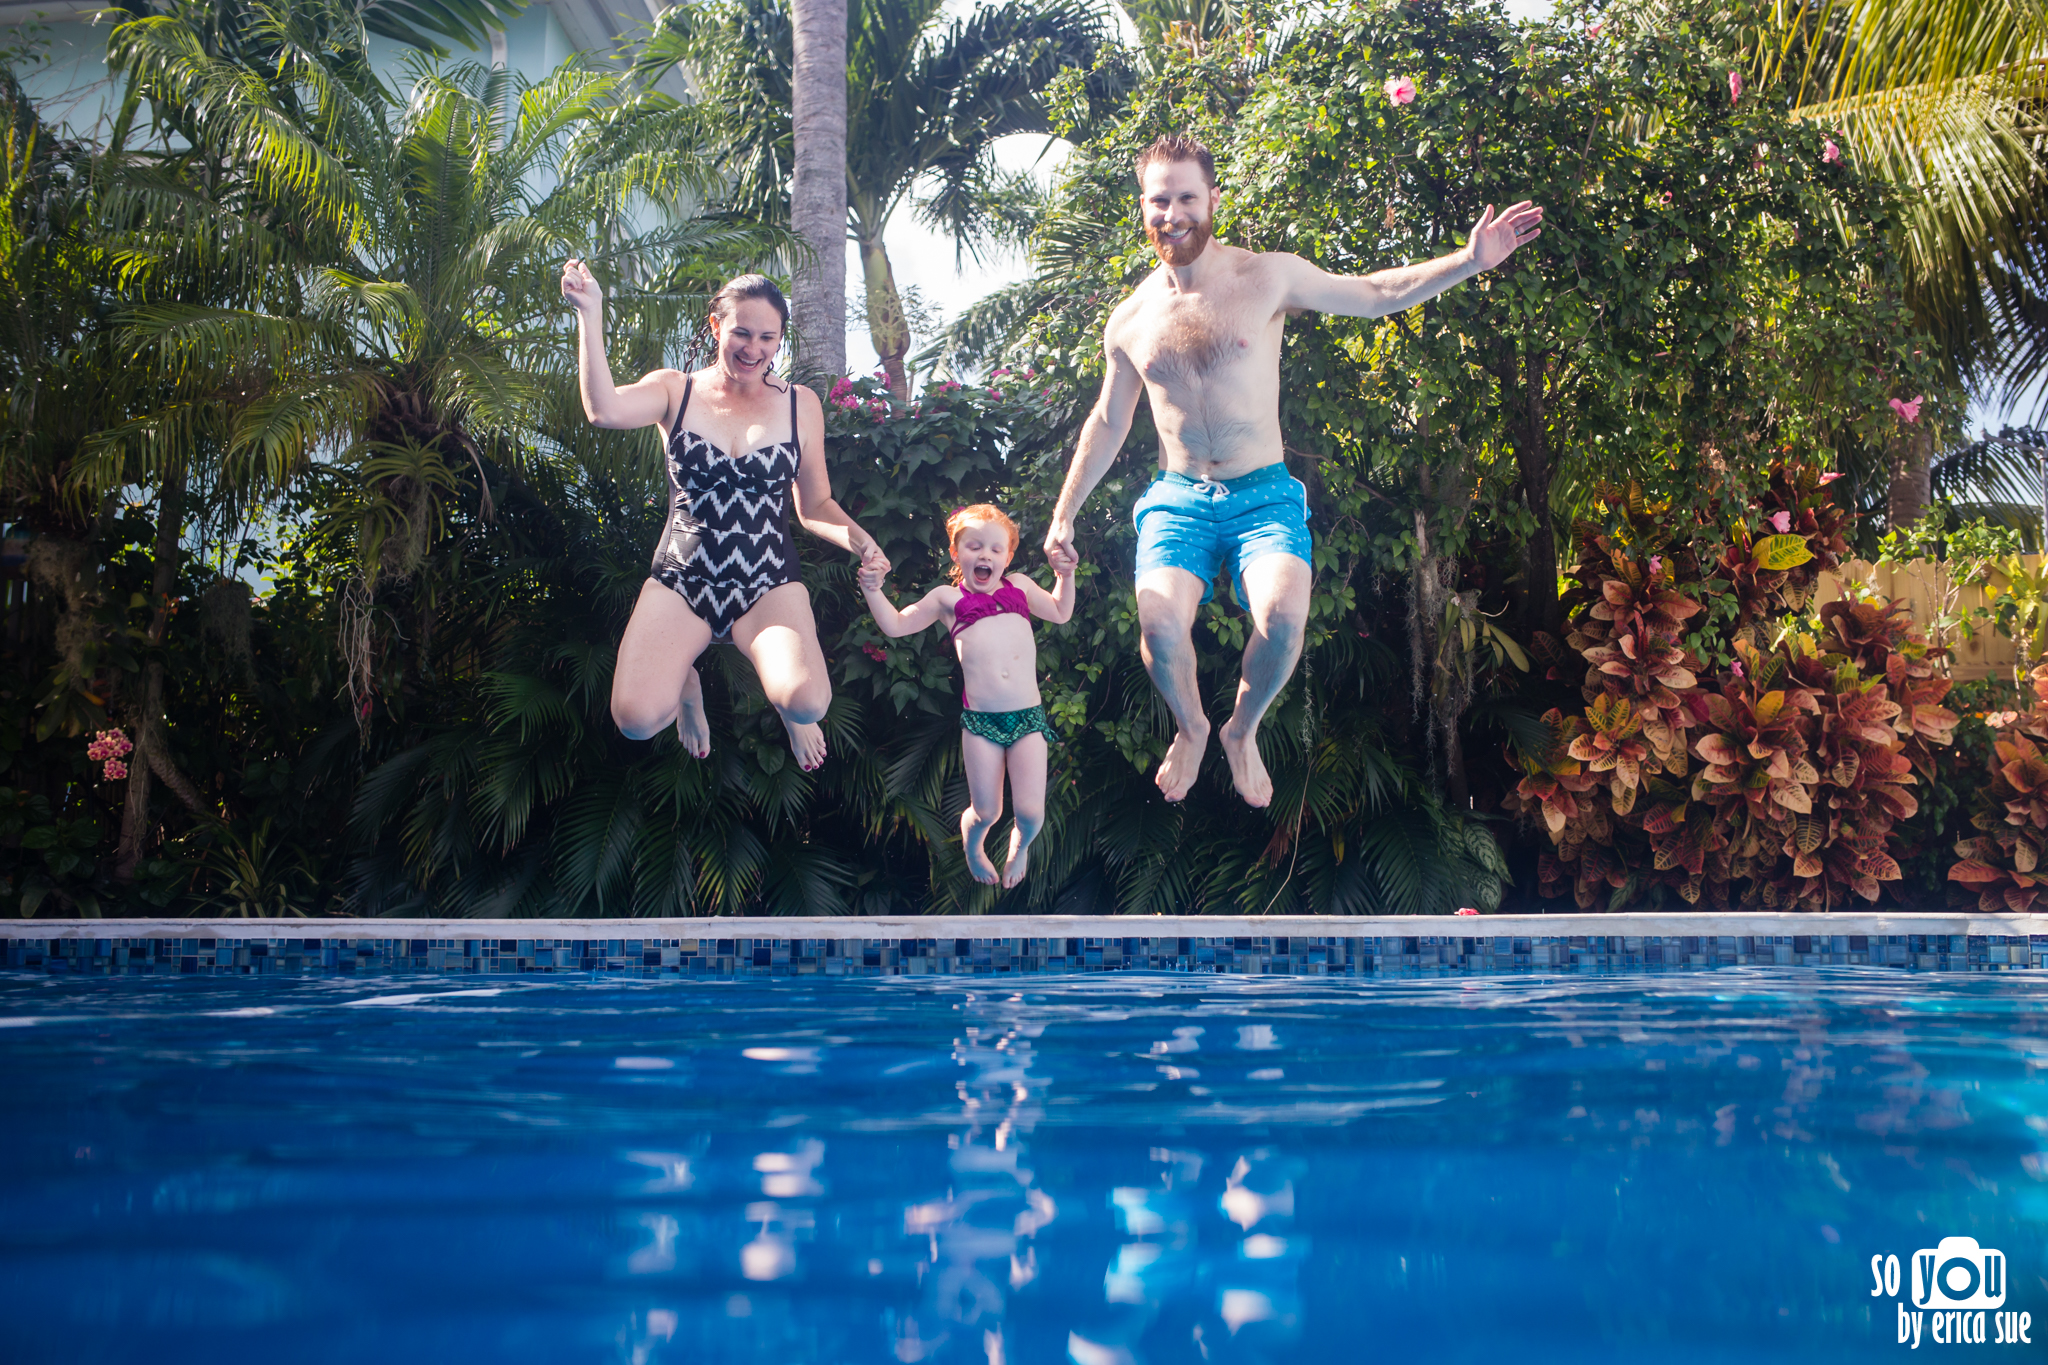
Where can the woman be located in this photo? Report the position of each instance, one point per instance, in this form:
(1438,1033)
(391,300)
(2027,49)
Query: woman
(742,443)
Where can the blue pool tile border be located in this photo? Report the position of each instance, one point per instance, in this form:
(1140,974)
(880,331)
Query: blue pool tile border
(360,952)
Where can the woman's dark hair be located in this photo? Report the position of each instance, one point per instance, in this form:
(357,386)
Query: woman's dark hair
(748,287)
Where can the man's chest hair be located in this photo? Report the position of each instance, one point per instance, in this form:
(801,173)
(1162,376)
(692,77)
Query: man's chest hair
(1196,333)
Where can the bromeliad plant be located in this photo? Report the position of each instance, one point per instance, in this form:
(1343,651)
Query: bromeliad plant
(1777,784)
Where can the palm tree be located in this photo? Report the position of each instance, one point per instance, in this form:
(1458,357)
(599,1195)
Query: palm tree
(1190,24)
(926,102)
(237,29)
(1947,100)
(817,188)
(402,313)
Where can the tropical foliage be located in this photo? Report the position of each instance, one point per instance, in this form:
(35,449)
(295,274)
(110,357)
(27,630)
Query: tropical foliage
(321,573)
(1770,779)
(927,98)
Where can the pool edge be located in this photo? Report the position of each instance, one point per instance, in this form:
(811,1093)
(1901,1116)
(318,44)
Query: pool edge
(1701,924)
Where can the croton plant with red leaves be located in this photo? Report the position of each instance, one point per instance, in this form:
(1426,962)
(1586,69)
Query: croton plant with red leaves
(1776,783)
(2006,866)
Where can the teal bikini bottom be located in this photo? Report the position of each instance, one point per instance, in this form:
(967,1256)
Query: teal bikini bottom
(1007,727)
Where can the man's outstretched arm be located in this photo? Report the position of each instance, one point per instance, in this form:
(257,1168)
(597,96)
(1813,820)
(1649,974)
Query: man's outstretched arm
(1493,240)
(1102,436)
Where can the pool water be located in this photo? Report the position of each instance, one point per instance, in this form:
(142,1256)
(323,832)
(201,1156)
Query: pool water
(1102,1169)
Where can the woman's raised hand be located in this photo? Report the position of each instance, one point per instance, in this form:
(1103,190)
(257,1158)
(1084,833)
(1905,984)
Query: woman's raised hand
(580,287)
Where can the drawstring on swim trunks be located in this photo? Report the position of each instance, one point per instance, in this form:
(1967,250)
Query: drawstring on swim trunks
(1215,488)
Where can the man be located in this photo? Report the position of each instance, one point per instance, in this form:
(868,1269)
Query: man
(1201,336)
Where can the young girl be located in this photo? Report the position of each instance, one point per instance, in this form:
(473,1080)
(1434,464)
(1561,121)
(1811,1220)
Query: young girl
(1004,724)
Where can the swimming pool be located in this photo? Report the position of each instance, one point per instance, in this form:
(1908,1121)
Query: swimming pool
(1101,1169)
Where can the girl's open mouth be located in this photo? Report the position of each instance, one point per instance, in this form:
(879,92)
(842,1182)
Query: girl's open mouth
(983,573)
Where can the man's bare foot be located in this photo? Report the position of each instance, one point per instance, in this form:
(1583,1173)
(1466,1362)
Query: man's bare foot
(807,742)
(693,727)
(1182,764)
(972,832)
(1019,861)
(1247,770)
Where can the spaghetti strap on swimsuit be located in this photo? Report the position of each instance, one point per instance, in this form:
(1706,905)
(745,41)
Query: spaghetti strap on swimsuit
(979,606)
(726,543)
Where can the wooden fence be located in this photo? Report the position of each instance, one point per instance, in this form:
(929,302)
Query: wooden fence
(1987,655)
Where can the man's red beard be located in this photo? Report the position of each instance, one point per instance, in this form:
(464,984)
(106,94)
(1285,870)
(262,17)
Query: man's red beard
(1184,251)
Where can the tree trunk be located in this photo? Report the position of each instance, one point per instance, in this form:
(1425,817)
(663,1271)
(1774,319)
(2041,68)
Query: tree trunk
(887,327)
(817,191)
(1532,461)
(1441,671)
(152,748)
(1912,487)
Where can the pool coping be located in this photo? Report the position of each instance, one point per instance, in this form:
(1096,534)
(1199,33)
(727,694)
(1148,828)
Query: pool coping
(850,928)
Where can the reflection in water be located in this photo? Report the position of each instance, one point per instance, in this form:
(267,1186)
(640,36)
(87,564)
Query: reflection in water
(1165,1268)
(1116,1172)
(771,1254)
(979,1234)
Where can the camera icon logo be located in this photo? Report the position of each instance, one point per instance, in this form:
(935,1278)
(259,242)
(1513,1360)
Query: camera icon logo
(1958,1274)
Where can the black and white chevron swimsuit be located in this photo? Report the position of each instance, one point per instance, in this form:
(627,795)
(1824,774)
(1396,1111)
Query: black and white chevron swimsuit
(737,510)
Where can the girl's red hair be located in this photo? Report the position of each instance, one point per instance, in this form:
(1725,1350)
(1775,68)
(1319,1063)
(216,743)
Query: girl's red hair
(977,514)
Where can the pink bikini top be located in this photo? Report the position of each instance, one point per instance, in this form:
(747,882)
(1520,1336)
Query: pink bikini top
(979,606)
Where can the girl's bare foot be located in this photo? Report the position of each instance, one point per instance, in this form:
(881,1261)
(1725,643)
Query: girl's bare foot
(693,727)
(807,742)
(1019,861)
(972,832)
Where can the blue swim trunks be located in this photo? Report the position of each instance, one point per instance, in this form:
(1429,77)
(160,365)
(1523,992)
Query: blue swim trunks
(1200,524)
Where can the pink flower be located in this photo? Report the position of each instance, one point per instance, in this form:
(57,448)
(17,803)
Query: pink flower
(880,656)
(107,745)
(1593,30)
(1908,411)
(1401,90)
(1737,666)
(1734,86)
(1830,476)
(1829,152)
(1667,196)
(1656,565)
(1783,521)
(115,770)
(1468,910)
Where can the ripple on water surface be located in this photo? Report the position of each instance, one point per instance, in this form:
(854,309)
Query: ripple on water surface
(1090,1169)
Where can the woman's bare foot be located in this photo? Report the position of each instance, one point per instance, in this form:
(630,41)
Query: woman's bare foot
(1247,770)
(1183,763)
(693,727)
(807,742)
(972,833)
(1019,861)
